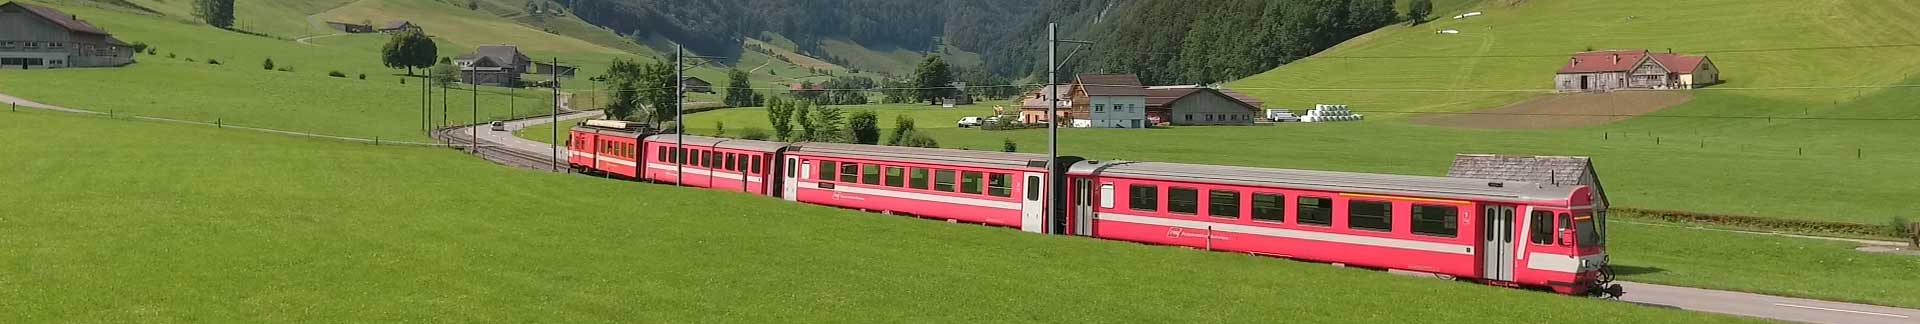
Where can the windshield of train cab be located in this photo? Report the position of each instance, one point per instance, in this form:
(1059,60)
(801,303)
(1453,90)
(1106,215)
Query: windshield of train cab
(1586,232)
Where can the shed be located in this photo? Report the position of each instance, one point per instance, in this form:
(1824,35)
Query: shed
(694,84)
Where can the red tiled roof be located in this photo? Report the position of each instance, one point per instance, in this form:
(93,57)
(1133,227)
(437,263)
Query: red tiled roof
(1603,61)
(1680,63)
(1111,85)
(65,20)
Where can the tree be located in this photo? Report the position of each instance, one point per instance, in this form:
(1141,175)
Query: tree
(268,65)
(803,114)
(409,49)
(932,79)
(1008,146)
(902,129)
(864,127)
(218,13)
(740,91)
(1419,10)
(828,124)
(445,75)
(643,90)
(780,114)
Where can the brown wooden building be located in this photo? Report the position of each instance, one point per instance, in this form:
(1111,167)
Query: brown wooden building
(37,37)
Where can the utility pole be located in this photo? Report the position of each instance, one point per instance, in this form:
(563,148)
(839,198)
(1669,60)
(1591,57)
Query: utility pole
(475,127)
(443,104)
(1053,125)
(680,104)
(556,115)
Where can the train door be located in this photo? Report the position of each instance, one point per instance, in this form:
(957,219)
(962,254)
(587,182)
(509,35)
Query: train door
(1496,242)
(1032,207)
(793,184)
(1083,197)
(790,181)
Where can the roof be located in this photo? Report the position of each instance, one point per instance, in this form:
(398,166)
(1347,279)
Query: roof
(718,142)
(1603,61)
(1680,63)
(505,54)
(1346,182)
(345,24)
(986,159)
(397,24)
(64,20)
(1554,170)
(1242,97)
(695,81)
(1111,85)
(117,42)
(1159,97)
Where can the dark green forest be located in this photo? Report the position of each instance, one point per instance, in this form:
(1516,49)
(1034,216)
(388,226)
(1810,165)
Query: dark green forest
(1165,42)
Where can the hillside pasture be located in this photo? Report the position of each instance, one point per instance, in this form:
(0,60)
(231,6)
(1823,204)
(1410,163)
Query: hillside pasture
(1570,110)
(390,234)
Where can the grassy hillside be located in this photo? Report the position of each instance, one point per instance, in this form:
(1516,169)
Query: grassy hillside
(390,234)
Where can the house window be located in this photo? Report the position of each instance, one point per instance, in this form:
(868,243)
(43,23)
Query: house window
(1189,117)
(1099,108)
(56,45)
(33,45)
(9,44)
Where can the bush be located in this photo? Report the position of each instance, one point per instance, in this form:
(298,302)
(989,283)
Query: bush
(139,47)
(336,74)
(363,76)
(189,60)
(754,133)
(169,54)
(720,129)
(268,64)
(1008,146)
(153,50)
(284,68)
(213,61)
(1901,227)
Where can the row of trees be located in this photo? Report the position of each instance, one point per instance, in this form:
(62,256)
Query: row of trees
(642,91)
(805,121)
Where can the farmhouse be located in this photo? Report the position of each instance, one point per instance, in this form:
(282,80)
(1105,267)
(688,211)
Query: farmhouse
(1198,105)
(561,70)
(693,84)
(1109,101)
(398,26)
(36,37)
(493,65)
(1033,106)
(1634,69)
(350,28)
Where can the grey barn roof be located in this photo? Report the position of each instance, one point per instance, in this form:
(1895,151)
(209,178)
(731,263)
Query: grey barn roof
(505,54)
(1364,183)
(70,22)
(1556,170)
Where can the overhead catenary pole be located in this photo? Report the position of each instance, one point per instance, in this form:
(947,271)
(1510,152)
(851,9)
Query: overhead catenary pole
(679,134)
(1056,184)
(555,167)
(475,127)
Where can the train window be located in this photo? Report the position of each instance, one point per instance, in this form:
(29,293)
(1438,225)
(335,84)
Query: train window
(1183,200)
(943,180)
(1442,221)
(1370,215)
(756,164)
(699,158)
(1269,208)
(1223,203)
(896,177)
(1566,225)
(871,175)
(850,172)
(1314,210)
(919,179)
(1143,198)
(1540,230)
(790,167)
(715,160)
(1106,193)
(660,154)
(970,182)
(1000,185)
(731,165)
(826,170)
(682,157)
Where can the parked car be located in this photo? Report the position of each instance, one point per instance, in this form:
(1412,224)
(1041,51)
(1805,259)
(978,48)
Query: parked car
(1281,116)
(971,122)
(499,126)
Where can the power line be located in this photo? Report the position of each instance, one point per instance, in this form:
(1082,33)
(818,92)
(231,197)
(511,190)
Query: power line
(1555,55)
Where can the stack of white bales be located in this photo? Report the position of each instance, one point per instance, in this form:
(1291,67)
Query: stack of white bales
(1330,113)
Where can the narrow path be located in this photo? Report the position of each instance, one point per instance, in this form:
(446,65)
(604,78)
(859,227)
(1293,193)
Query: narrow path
(306,40)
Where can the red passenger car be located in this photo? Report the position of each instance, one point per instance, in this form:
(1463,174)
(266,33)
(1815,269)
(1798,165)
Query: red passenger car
(1502,233)
(611,148)
(1000,189)
(711,162)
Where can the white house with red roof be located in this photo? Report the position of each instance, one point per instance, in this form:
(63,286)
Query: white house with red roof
(1603,71)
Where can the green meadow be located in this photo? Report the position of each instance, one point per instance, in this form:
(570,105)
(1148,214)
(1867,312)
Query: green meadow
(116,220)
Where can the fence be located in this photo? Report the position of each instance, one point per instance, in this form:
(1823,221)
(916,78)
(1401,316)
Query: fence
(1703,143)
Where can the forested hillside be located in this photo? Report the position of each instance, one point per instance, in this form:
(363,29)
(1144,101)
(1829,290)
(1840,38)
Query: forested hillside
(1199,41)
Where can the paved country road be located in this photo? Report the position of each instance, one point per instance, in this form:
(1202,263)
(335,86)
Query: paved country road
(1652,295)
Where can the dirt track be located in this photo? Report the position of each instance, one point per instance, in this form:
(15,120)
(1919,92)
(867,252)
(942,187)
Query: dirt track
(1563,110)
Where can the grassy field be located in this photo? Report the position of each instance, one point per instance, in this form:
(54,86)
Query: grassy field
(168,223)
(1775,265)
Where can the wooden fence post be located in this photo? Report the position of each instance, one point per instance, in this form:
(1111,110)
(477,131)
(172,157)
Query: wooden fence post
(1913,231)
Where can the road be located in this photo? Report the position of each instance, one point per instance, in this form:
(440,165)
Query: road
(1694,299)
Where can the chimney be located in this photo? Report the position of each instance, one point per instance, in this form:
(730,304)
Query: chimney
(1574,61)
(1616,58)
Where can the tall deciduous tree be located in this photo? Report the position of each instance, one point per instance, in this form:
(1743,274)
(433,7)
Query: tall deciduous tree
(643,91)
(740,91)
(932,79)
(1419,10)
(780,114)
(864,127)
(409,49)
(218,13)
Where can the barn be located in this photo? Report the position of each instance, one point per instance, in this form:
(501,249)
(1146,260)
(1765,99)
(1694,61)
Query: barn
(38,37)
(1604,71)
(1198,105)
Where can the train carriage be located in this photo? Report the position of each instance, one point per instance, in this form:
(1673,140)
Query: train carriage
(606,147)
(1503,233)
(712,162)
(994,188)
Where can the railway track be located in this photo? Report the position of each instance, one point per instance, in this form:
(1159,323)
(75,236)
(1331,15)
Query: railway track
(457,139)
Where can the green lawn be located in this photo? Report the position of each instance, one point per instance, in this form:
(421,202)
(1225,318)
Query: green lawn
(119,221)
(924,116)
(1774,265)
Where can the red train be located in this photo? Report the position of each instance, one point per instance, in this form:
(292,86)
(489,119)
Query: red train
(1515,234)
